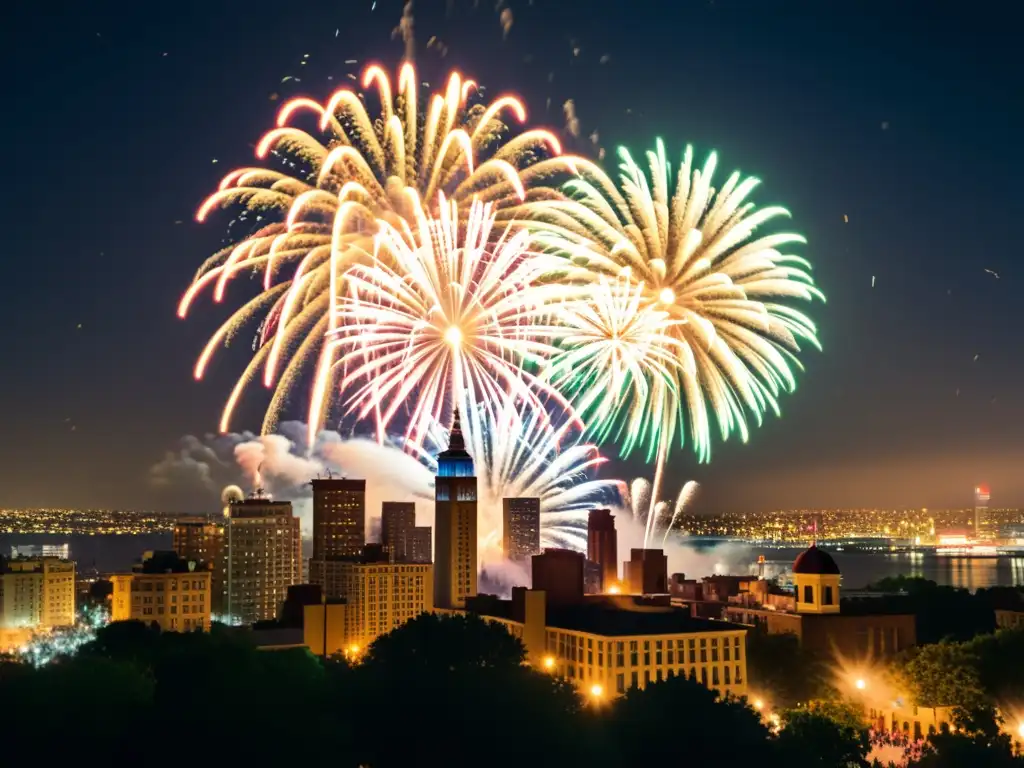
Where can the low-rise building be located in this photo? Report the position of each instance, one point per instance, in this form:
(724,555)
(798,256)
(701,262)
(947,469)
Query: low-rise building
(164,590)
(611,644)
(37,593)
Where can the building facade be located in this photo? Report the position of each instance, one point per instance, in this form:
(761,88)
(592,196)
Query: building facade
(646,572)
(371,597)
(520,532)
(559,574)
(397,525)
(455,523)
(263,558)
(421,546)
(165,591)
(339,518)
(201,539)
(603,546)
(37,593)
(984,525)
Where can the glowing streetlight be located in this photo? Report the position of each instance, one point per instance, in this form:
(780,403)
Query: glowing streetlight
(1020,729)
(614,589)
(758,704)
(549,662)
(860,684)
(453,336)
(667,296)
(597,690)
(353,649)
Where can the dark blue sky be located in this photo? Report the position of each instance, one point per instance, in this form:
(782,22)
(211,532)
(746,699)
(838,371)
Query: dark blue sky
(904,117)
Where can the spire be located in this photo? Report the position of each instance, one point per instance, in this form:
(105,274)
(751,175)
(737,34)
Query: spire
(455,439)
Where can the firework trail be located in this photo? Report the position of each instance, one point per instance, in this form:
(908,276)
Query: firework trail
(697,259)
(339,182)
(637,500)
(451,311)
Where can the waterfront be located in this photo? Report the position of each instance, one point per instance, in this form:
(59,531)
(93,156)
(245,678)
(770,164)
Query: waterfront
(105,553)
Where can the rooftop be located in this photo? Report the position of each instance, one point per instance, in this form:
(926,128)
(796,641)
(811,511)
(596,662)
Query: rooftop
(615,621)
(815,561)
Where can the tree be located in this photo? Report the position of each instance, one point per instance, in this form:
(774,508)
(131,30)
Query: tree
(999,666)
(828,734)
(942,675)
(978,742)
(779,669)
(940,612)
(678,716)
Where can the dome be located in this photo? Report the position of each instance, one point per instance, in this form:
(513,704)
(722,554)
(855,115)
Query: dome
(815,561)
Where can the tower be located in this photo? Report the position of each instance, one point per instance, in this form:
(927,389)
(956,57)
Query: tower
(602,545)
(397,521)
(455,523)
(339,517)
(816,577)
(983,528)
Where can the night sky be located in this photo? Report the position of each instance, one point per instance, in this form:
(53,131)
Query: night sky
(904,117)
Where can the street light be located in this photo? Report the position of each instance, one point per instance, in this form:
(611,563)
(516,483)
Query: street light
(614,589)
(549,663)
(1020,729)
(860,684)
(597,690)
(758,704)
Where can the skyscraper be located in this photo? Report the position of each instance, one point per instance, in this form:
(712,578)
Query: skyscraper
(602,545)
(397,520)
(421,545)
(984,529)
(201,539)
(455,523)
(520,534)
(339,517)
(264,558)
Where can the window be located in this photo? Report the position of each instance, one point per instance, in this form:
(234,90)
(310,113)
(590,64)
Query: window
(739,677)
(808,594)
(620,683)
(647,677)
(725,651)
(828,596)
(633,679)
(704,675)
(727,675)
(714,675)
(632,653)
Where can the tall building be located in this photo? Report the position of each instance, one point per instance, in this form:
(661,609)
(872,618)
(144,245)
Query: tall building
(520,533)
(421,546)
(984,527)
(201,539)
(37,593)
(559,574)
(339,517)
(646,572)
(376,596)
(263,558)
(397,521)
(603,546)
(164,590)
(455,523)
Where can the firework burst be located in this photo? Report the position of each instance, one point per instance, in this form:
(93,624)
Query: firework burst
(451,311)
(695,258)
(321,212)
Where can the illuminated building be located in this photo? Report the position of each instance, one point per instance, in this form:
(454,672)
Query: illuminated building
(37,593)
(201,539)
(421,546)
(984,526)
(264,553)
(646,572)
(455,523)
(1009,619)
(339,522)
(520,532)
(397,521)
(602,545)
(60,551)
(854,629)
(559,574)
(368,597)
(611,644)
(165,591)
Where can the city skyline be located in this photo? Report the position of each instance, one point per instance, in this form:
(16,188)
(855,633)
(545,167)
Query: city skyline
(862,430)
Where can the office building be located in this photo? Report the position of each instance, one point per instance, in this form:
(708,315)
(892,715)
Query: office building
(201,539)
(165,591)
(263,558)
(856,630)
(369,597)
(421,547)
(603,546)
(455,523)
(607,645)
(520,533)
(339,517)
(984,526)
(559,574)
(59,551)
(37,593)
(646,572)
(591,578)
(397,521)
